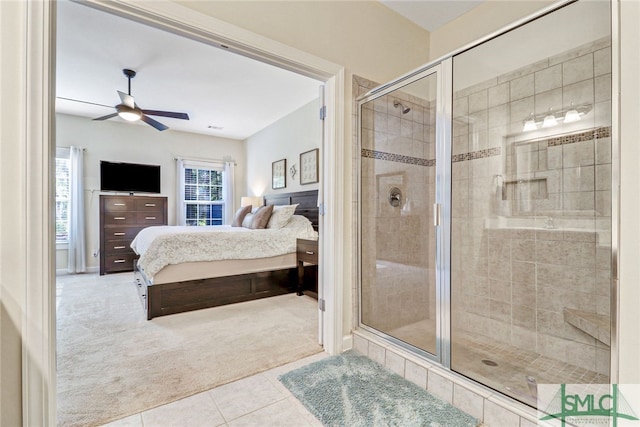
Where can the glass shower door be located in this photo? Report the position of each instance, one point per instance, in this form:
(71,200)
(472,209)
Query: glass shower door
(531,204)
(397,193)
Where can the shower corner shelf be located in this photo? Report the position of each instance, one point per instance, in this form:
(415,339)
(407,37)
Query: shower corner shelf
(596,325)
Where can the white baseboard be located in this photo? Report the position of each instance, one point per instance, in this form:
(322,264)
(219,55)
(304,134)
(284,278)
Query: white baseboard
(347,342)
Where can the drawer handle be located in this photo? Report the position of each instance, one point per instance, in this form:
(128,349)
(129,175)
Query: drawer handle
(119,204)
(150,205)
(119,261)
(309,252)
(149,217)
(119,217)
(119,247)
(118,234)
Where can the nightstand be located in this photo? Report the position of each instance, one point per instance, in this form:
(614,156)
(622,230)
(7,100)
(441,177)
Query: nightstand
(307,253)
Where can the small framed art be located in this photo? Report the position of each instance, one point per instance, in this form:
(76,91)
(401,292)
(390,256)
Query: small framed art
(309,167)
(279,174)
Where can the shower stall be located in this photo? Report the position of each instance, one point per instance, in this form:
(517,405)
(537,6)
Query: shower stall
(485,206)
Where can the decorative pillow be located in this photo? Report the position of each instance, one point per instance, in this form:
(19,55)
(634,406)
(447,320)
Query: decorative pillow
(247,219)
(239,216)
(261,217)
(281,215)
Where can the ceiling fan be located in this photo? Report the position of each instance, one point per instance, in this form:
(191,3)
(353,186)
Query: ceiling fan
(130,111)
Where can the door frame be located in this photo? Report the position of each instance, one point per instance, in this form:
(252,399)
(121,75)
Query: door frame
(38,138)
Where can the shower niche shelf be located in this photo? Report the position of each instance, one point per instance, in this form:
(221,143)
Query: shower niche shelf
(596,325)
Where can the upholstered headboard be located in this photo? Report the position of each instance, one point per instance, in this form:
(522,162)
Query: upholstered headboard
(307,203)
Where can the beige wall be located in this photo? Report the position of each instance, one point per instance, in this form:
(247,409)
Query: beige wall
(365,37)
(296,133)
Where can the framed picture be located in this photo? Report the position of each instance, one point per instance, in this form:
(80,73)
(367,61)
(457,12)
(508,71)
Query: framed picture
(279,174)
(309,167)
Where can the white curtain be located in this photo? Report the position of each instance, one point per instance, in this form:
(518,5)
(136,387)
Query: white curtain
(227,191)
(180,211)
(77,262)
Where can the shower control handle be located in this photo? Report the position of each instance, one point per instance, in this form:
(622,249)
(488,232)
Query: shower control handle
(394,197)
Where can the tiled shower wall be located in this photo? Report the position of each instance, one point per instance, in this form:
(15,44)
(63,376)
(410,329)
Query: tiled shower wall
(532,211)
(398,243)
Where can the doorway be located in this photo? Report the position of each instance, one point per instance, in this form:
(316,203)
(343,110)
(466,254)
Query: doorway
(39,368)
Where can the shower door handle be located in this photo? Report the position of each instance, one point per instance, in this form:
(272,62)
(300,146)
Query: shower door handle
(436,214)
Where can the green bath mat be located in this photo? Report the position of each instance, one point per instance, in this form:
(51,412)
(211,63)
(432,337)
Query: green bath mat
(351,390)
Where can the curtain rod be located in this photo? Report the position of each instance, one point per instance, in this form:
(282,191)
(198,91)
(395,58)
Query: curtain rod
(200,159)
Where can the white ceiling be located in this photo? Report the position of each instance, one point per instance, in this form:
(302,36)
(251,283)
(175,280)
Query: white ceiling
(431,14)
(215,87)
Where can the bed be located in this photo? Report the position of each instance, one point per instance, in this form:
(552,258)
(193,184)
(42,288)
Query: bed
(170,281)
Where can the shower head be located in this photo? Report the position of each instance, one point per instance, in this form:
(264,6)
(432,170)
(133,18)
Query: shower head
(397,104)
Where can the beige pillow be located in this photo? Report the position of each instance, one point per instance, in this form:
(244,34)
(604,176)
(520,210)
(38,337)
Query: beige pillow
(281,215)
(261,217)
(239,216)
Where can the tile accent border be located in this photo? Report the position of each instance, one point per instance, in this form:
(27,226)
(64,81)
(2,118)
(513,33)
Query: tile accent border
(392,157)
(601,132)
(489,407)
(473,155)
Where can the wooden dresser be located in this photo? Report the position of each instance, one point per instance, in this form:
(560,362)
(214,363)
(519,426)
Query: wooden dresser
(121,218)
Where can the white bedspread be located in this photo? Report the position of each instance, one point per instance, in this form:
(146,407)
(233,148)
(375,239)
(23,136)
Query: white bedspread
(159,246)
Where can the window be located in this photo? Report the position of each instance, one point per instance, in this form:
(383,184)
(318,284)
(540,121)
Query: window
(62,196)
(202,188)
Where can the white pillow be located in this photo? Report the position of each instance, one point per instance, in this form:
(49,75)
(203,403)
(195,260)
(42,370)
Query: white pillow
(247,219)
(281,215)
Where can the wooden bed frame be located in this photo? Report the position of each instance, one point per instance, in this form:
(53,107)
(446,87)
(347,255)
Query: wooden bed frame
(178,297)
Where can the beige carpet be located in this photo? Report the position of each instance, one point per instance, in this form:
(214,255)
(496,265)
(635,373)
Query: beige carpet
(113,363)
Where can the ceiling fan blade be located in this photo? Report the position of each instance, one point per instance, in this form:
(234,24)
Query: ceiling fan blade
(108,116)
(127,99)
(84,102)
(183,116)
(156,124)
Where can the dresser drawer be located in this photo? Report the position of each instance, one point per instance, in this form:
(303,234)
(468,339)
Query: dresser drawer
(118,204)
(118,247)
(119,218)
(150,204)
(122,262)
(121,233)
(150,218)
(307,251)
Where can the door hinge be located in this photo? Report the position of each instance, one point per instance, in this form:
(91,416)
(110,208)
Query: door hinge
(321,304)
(323,112)
(436,214)
(321,209)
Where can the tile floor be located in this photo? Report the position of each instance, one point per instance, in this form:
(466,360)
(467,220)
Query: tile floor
(258,400)
(513,364)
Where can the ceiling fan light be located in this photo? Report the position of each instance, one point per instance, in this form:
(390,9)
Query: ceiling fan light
(127,113)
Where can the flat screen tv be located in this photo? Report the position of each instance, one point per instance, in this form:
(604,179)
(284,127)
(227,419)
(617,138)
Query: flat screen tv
(129,177)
